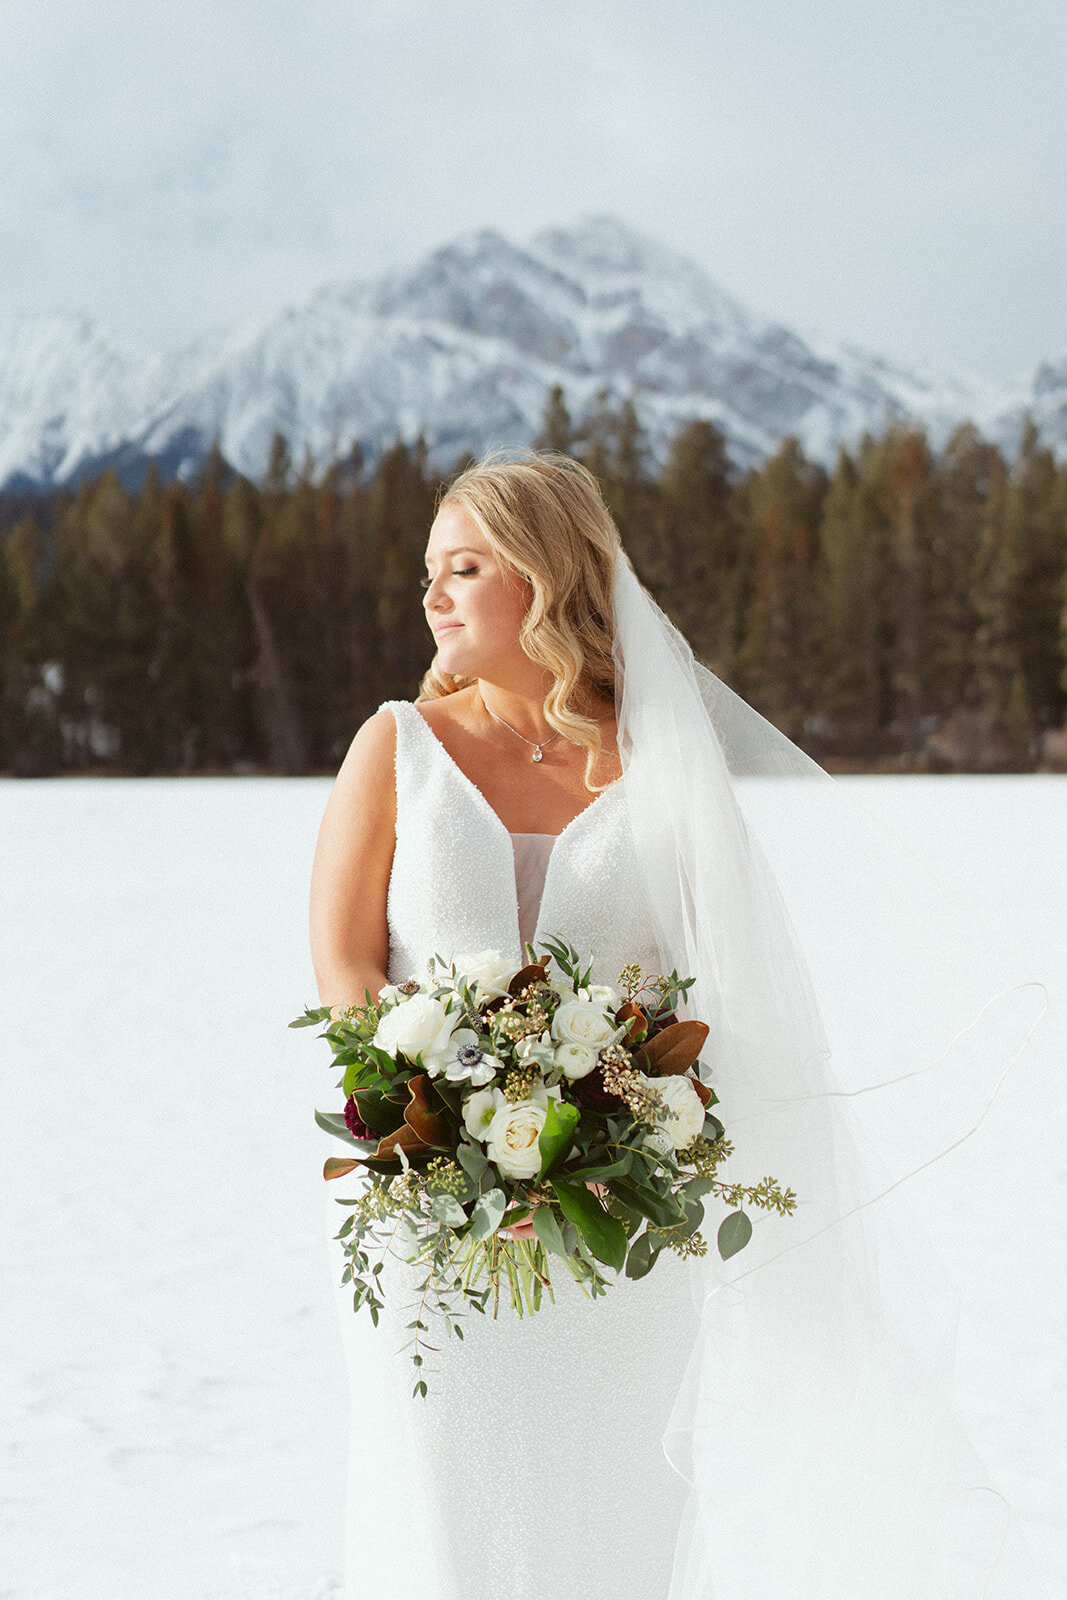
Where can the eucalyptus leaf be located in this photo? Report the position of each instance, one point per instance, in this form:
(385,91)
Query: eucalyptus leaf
(642,1256)
(446,1208)
(333,1122)
(547,1228)
(734,1233)
(488,1210)
(472,1158)
(407,1236)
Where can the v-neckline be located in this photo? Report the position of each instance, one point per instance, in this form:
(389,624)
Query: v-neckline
(615,783)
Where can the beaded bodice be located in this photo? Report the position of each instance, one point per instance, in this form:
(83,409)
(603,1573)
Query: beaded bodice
(452,889)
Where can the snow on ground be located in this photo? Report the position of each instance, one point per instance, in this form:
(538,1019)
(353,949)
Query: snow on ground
(172,1397)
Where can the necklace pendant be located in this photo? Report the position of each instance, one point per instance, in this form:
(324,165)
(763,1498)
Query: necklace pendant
(537,752)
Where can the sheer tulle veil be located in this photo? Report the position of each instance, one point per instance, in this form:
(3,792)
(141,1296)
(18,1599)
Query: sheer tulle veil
(816,1424)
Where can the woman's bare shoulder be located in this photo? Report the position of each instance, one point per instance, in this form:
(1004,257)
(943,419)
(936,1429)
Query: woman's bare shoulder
(448,710)
(371,757)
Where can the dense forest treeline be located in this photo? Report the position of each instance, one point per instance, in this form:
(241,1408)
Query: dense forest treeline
(905,611)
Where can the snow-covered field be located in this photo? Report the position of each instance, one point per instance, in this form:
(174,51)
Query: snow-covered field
(171,1386)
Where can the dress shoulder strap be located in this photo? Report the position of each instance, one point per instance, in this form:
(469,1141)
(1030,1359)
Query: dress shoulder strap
(414,752)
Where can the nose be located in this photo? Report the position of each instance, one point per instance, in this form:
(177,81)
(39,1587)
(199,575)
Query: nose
(436,596)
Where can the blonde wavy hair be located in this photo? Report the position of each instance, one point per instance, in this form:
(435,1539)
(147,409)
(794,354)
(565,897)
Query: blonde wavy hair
(542,515)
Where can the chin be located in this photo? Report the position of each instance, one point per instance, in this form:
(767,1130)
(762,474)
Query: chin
(457,663)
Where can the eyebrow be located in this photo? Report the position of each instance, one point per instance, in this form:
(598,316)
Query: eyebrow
(460,550)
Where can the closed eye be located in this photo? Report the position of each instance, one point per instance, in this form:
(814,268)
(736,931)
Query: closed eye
(462,572)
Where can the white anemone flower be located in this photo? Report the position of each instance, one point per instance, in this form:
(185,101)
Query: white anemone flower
(463,1060)
(479,1109)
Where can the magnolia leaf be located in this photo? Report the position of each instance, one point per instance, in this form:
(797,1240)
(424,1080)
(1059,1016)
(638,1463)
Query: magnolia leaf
(337,1168)
(676,1047)
(557,1135)
(734,1233)
(703,1092)
(536,973)
(378,1111)
(401,1144)
(604,1236)
(488,1210)
(430,1125)
(632,1014)
(547,1228)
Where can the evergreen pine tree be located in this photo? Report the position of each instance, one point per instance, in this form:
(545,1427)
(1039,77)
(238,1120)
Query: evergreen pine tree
(557,432)
(31,742)
(1037,529)
(693,566)
(783,506)
(850,597)
(910,507)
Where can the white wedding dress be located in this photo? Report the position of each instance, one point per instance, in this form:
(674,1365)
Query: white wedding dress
(535,1468)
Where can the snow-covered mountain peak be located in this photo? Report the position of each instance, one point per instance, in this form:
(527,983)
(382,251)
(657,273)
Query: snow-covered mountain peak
(461,347)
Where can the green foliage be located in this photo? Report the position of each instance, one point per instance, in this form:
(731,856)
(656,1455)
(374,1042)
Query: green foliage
(734,1233)
(221,625)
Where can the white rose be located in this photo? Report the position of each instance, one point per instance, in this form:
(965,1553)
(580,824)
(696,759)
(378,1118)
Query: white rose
(657,1139)
(602,995)
(678,1094)
(479,1109)
(583,1022)
(512,1140)
(420,1025)
(575,1060)
(488,972)
(463,1060)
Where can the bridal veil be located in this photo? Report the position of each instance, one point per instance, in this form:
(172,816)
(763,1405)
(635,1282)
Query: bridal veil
(816,1424)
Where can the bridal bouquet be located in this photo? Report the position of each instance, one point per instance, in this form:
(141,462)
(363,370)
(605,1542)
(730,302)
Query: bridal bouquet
(488,1098)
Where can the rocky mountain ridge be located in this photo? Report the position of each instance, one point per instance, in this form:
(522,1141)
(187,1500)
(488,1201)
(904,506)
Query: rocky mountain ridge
(462,348)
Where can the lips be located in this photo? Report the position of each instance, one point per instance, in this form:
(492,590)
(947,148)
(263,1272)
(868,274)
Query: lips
(446,627)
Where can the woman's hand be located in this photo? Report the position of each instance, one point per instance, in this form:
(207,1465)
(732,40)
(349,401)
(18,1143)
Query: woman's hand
(525,1230)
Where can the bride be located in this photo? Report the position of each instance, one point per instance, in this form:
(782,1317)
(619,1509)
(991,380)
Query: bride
(764,1429)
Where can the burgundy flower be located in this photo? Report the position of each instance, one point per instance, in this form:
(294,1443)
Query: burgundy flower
(355,1123)
(590,1093)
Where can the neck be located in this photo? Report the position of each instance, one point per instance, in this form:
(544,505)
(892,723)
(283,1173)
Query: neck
(522,708)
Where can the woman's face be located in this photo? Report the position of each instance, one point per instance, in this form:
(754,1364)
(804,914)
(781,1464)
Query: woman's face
(474,604)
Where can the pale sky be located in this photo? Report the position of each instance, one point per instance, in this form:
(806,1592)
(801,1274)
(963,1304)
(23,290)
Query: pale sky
(891,175)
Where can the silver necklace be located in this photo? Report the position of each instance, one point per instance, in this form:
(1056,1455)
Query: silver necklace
(538,748)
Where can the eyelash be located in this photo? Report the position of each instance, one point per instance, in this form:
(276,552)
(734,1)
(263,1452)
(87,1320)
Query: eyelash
(464,572)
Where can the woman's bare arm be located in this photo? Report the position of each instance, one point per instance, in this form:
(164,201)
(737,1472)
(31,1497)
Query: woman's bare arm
(353,860)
